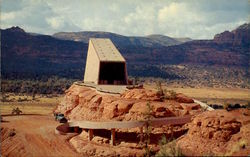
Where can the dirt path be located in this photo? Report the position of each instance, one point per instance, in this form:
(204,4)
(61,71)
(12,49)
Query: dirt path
(33,136)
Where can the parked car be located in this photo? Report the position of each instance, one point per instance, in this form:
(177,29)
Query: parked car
(60,117)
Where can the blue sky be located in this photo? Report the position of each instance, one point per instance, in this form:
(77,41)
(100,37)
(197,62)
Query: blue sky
(198,19)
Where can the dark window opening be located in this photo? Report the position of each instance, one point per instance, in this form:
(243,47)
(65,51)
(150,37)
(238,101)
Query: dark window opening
(112,73)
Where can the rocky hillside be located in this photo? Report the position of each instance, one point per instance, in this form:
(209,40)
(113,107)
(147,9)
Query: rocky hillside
(32,55)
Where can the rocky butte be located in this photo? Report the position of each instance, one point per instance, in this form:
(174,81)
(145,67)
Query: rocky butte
(105,96)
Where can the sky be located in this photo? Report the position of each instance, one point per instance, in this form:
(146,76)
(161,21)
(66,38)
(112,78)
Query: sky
(197,19)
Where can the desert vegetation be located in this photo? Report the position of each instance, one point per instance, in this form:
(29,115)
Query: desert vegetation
(148,130)
(241,144)
(187,75)
(50,85)
(168,147)
(43,104)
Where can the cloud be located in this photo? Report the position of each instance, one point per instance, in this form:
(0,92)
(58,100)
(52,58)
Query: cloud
(55,22)
(200,20)
(197,19)
(143,17)
(8,16)
(34,16)
(114,7)
(11,5)
(178,13)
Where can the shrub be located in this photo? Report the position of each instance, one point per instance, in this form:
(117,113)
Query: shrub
(168,148)
(170,94)
(148,129)
(159,88)
(248,105)
(226,106)
(243,144)
(19,99)
(237,147)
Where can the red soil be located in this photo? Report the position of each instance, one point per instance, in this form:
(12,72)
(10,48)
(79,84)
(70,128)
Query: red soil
(33,136)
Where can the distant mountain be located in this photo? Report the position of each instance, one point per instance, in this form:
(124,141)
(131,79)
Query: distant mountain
(26,55)
(208,52)
(164,40)
(183,39)
(120,40)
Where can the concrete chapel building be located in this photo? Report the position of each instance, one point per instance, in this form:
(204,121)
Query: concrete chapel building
(105,65)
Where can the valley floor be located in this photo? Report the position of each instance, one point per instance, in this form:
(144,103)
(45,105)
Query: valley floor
(33,133)
(211,95)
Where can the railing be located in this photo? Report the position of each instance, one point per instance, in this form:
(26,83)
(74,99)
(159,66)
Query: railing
(90,125)
(129,124)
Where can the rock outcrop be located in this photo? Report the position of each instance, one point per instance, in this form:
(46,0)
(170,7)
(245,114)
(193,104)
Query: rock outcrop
(218,132)
(84,103)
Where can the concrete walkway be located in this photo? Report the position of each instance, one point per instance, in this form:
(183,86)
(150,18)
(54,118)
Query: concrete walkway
(112,89)
(203,105)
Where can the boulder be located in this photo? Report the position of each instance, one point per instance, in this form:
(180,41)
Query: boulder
(181,98)
(190,106)
(142,94)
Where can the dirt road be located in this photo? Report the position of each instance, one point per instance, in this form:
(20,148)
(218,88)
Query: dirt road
(33,135)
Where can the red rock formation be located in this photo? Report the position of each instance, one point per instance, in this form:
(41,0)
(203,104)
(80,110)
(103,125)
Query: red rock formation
(84,103)
(183,99)
(218,132)
(142,94)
